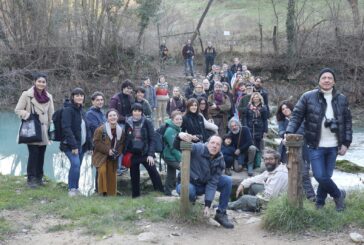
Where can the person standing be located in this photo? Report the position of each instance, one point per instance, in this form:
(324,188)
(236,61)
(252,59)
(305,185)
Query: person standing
(188,54)
(123,101)
(162,95)
(139,98)
(328,133)
(177,102)
(210,54)
(37,100)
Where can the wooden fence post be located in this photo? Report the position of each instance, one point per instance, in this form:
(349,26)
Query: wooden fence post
(294,143)
(186,148)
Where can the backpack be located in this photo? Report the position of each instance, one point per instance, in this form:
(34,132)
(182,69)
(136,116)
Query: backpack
(159,142)
(57,122)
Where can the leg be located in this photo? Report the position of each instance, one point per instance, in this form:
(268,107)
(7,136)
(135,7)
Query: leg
(192,191)
(40,165)
(246,203)
(102,179)
(224,187)
(255,188)
(171,177)
(154,176)
(135,176)
(74,172)
(190,64)
(186,67)
(32,162)
(111,178)
(252,150)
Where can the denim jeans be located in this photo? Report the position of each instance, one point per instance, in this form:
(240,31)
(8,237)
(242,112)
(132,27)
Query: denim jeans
(323,160)
(189,66)
(223,186)
(74,173)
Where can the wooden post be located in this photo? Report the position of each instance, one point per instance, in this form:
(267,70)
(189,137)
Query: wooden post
(294,143)
(186,148)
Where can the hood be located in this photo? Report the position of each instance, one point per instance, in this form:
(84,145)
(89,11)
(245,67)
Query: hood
(172,125)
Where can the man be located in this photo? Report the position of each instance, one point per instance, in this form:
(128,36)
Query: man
(207,166)
(123,101)
(163,53)
(269,184)
(139,98)
(243,143)
(236,66)
(210,54)
(258,87)
(95,118)
(150,95)
(188,54)
(243,103)
(190,87)
(328,132)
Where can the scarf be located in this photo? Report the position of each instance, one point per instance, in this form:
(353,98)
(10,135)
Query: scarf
(219,98)
(255,109)
(41,97)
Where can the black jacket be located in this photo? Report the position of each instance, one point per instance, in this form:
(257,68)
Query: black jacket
(71,129)
(312,107)
(257,125)
(245,139)
(193,124)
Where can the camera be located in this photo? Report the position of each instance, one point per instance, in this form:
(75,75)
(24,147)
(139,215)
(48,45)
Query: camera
(332,124)
(114,155)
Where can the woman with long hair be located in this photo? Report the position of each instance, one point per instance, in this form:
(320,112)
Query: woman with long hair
(193,121)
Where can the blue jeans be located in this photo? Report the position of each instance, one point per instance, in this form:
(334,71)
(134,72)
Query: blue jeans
(74,173)
(323,160)
(224,187)
(189,66)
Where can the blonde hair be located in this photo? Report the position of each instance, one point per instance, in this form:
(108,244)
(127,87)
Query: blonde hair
(259,95)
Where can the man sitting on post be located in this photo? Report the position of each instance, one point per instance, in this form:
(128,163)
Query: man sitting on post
(271,183)
(206,175)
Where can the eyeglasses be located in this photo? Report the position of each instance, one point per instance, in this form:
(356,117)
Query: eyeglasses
(198,87)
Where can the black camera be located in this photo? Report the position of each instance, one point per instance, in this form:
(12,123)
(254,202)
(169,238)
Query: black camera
(332,124)
(114,155)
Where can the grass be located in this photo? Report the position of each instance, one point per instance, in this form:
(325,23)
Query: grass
(348,167)
(97,215)
(280,216)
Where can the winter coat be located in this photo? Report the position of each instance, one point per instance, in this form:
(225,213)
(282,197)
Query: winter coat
(210,53)
(151,96)
(193,123)
(264,93)
(147,110)
(245,139)
(122,103)
(257,125)
(243,108)
(148,135)
(176,104)
(189,90)
(162,91)
(45,111)
(95,117)
(228,152)
(170,153)
(102,145)
(222,111)
(188,52)
(311,108)
(71,129)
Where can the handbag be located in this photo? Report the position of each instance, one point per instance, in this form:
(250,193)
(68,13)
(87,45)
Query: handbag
(30,129)
(127,159)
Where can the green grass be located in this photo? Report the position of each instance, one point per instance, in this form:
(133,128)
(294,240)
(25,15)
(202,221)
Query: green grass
(348,167)
(280,216)
(98,215)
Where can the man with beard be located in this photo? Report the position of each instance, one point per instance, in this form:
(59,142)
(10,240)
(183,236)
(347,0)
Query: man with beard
(269,184)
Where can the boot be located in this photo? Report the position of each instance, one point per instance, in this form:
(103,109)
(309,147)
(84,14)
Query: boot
(228,172)
(222,219)
(33,183)
(237,167)
(339,202)
(250,169)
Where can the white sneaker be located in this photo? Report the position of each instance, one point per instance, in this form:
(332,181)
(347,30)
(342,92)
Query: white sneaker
(73,192)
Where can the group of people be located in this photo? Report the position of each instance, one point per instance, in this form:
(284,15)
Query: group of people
(225,128)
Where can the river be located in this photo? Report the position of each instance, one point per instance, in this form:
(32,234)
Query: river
(13,158)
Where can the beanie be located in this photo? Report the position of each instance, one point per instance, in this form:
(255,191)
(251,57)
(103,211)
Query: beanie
(327,70)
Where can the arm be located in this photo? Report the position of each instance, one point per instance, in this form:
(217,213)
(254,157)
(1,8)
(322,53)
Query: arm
(258,179)
(282,125)
(298,114)
(275,185)
(169,137)
(91,121)
(99,144)
(67,128)
(50,108)
(21,107)
(147,110)
(225,106)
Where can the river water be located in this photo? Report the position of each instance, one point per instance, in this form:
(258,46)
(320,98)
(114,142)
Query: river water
(13,158)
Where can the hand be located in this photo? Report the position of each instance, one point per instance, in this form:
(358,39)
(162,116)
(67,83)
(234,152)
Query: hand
(111,152)
(75,151)
(239,190)
(342,150)
(237,152)
(206,212)
(185,136)
(150,160)
(213,106)
(195,138)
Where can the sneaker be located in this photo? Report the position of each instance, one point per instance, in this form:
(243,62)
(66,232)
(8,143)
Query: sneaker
(319,206)
(339,202)
(250,169)
(222,219)
(228,172)
(73,192)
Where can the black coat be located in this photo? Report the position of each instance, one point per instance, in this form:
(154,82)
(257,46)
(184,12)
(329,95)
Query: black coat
(245,139)
(312,107)
(193,124)
(71,129)
(257,125)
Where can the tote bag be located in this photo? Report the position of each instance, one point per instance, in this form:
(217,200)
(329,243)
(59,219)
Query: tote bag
(31,129)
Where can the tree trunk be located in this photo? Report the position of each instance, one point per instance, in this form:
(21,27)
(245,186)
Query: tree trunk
(201,21)
(290,28)
(355,11)
(275,44)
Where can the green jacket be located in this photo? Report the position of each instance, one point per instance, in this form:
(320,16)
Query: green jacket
(169,152)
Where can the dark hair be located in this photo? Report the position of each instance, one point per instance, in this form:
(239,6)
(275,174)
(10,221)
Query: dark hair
(279,115)
(227,136)
(37,74)
(137,107)
(127,83)
(269,150)
(145,78)
(205,112)
(189,103)
(110,110)
(76,91)
(140,89)
(95,94)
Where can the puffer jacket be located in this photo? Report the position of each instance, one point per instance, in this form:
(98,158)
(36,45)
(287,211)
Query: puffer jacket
(311,107)
(169,152)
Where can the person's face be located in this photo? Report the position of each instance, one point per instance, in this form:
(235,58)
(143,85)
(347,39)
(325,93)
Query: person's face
(189,42)
(202,105)
(206,84)
(140,95)
(227,141)
(194,82)
(177,120)
(218,88)
(225,88)
(327,81)
(162,79)
(236,61)
(256,99)
(176,92)
(127,90)
(217,69)
(270,162)
(244,68)
(147,82)
(249,89)
(258,83)
(242,88)
(98,102)
(112,117)
(214,145)
(40,84)
(225,67)
(199,88)
(136,114)
(234,127)
(286,111)
(193,108)
(209,44)
(78,99)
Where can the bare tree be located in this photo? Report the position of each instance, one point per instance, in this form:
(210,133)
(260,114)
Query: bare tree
(355,11)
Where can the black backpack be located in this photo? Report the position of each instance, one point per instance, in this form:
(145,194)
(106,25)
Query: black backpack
(57,122)
(159,142)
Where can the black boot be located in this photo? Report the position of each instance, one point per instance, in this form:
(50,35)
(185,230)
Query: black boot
(340,204)
(222,219)
(227,171)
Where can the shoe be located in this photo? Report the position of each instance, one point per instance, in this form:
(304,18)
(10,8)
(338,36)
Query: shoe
(250,169)
(33,183)
(222,219)
(40,181)
(319,206)
(228,172)
(312,199)
(73,192)
(339,202)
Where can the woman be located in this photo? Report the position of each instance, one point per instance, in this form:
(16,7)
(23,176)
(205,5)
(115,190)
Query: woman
(199,91)
(139,141)
(107,148)
(177,102)
(257,119)
(193,122)
(38,100)
(227,91)
(76,138)
(171,155)
(210,127)
(283,116)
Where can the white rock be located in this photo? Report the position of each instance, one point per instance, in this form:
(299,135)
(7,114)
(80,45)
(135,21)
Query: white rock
(356,237)
(139,211)
(214,222)
(252,220)
(147,237)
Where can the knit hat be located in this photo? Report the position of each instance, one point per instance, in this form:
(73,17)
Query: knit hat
(38,74)
(327,70)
